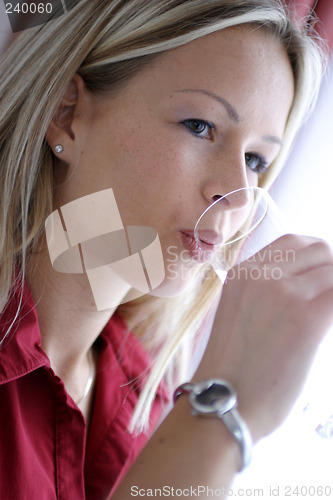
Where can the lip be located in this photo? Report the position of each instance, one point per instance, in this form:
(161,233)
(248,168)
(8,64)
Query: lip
(206,237)
(203,251)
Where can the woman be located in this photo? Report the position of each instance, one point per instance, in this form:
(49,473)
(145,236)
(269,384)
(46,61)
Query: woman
(169,105)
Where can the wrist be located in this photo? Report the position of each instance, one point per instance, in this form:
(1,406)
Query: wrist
(214,447)
(217,398)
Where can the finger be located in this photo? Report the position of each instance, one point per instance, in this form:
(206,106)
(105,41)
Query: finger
(295,241)
(323,305)
(283,244)
(310,257)
(315,282)
(284,250)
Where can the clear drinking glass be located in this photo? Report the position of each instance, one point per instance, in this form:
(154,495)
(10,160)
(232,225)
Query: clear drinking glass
(236,226)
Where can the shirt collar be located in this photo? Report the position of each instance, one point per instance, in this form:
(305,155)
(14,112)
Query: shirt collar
(21,351)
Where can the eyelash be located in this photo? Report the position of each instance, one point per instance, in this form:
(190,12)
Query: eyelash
(260,168)
(262,165)
(208,126)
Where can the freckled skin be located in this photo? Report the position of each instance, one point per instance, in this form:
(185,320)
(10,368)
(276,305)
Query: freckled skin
(162,174)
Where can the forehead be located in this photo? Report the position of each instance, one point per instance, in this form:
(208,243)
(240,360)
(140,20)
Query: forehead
(228,53)
(246,65)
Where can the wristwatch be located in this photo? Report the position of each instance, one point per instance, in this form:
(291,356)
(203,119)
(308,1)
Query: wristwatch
(216,397)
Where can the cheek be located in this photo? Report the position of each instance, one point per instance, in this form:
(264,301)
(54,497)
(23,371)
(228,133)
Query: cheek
(146,167)
(150,164)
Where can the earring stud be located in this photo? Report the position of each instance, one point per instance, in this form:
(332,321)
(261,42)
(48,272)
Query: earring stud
(58,149)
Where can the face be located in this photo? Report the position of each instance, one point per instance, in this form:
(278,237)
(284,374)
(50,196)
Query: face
(200,121)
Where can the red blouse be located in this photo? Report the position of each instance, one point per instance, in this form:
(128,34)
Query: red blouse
(44,451)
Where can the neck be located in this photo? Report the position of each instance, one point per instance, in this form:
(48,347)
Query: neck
(68,319)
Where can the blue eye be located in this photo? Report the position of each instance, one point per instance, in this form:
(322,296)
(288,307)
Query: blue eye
(200,128)
(256,163)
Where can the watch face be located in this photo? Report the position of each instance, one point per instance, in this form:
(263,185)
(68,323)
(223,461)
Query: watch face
(216,397)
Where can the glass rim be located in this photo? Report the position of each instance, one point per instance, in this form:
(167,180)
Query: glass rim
(255,189)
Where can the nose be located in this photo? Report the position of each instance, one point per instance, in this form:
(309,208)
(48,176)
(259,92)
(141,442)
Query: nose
(229,196)
(227,179)
(227,215)
(238,199)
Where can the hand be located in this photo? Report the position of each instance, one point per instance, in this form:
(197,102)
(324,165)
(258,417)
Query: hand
(274,311)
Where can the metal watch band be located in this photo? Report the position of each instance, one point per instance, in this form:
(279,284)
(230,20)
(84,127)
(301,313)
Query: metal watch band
(225,410)
(241,433)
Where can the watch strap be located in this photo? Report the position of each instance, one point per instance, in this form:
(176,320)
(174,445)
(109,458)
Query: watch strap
(241,433)
(231,418)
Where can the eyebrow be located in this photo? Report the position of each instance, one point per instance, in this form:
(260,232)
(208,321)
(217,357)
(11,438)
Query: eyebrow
(230,110)
(272,138)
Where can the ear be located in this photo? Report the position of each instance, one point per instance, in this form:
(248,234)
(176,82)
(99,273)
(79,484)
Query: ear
(62,129)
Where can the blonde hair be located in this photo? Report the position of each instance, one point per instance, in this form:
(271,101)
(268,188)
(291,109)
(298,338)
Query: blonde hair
(107,42)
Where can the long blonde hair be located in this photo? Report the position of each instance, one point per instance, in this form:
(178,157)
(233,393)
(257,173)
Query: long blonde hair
(106,42)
